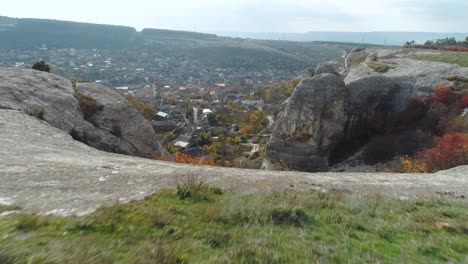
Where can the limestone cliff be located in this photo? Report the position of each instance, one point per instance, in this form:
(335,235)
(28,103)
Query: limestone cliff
(91,113)
(335,107)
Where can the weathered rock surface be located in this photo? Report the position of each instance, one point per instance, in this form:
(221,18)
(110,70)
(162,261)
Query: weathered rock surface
(313,117)
(369,96)
(115,126)
(305,135)
(43,170)
(414,76)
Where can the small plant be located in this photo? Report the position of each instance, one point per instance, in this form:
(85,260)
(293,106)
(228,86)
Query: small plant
(289,216)
(409,165)
(379,67)
(375,57)
(88,105)
(196,190)
(7,208)
(38,113)
(41,66)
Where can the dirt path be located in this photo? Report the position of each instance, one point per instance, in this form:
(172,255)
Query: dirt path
(43,170)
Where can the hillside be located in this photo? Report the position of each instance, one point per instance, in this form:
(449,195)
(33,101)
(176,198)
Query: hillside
(175,58)
(64,201)
(32,33)
(46,118)
(375,38)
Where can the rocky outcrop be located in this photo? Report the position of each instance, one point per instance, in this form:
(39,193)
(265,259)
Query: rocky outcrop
(368,97)
(90,113)
(43,170)
(325,112)
(309,124)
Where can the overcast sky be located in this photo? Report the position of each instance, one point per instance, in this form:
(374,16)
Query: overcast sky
(255,15)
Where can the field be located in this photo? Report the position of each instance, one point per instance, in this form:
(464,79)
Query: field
(459,58)
(200,224)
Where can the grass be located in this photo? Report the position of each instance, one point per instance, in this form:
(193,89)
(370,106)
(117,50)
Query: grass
(459,58)
(200,224)
(378,67)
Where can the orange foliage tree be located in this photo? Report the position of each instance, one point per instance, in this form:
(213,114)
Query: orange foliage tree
(184,158)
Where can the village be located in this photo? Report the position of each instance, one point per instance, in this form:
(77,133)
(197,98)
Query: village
(215,116)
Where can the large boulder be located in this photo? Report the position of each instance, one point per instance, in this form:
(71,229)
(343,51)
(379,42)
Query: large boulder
(328,120)
(309,124)
(108,122)
(371,97)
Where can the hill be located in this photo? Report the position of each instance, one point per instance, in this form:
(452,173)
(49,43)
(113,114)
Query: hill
(30,33)
(374,38)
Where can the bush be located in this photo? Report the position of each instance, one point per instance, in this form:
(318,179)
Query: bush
(451,151)
(378,67)
(184,158)
(196,190)
(458,125)
(88,105)
(288,216)
(464,101)
(41,66)
(147,111)
(38,113)
(443,94)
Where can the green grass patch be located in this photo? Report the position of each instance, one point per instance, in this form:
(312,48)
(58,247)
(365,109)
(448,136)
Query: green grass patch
(201,224)
(459,58)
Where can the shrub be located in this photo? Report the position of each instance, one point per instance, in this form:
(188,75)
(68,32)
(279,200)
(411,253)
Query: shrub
(451,151)
(459,124)
(378,67)
(38,113)
(464,101)
(147,111)
(88,105)
(409,165)
(196,190)
(443,94)
(184,158)
(41,66)
(289,216)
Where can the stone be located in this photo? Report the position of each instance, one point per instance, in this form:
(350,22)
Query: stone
(115,127)
(309,124)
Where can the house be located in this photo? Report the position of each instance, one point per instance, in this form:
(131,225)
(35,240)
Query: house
(161,116)
(254,103)
(234,97)
(184,142)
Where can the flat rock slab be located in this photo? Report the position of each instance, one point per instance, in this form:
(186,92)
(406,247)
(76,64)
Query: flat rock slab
(43,170)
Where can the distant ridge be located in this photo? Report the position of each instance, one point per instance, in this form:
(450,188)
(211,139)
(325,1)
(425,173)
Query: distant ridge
(378,38)
(151,32)
(26,33)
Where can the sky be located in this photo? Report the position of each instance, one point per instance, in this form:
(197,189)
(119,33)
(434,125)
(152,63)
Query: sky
(291,16)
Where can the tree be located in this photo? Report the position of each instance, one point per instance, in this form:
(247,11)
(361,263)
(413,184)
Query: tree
(429,43)
(41,66)
(410,43)
(211,119)
(221,119)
